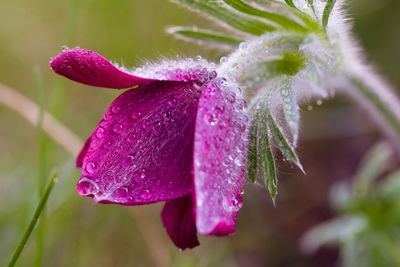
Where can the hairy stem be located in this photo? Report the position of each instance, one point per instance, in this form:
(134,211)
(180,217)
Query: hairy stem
(379,100)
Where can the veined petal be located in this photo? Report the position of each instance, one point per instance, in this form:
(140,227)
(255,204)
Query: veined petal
(220,154)
(178,218)
(87,67)
(141,152)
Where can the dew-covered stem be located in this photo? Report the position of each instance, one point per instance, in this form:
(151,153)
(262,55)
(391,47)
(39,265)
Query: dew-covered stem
(42,203)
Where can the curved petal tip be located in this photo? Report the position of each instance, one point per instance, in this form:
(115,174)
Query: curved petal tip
(87,67)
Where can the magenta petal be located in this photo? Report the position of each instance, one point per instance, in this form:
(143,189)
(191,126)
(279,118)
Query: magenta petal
(141,152)
(90,68)
(220,159)
(178,218)
(82,153)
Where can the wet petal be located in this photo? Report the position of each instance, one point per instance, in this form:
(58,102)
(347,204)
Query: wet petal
(141,152)
(82,153)
(178,219)
(87,67)
(220,158)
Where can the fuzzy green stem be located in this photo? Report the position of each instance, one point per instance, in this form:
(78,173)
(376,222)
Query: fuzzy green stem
(42,203)
(380,101)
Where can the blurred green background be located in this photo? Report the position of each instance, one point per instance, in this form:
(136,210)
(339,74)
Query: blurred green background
(79,233)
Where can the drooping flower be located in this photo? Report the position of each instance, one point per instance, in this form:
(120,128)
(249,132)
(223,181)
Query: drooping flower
(180,136)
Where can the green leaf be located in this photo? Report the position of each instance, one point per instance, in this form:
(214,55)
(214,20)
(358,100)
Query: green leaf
(218,10)
(290,3)
(252,152)
(266,166)
(194,34)
(283,144)
(290,108)
(327,11)
(283,21)
(39,209)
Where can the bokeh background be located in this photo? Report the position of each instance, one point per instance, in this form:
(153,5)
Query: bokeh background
(79,233)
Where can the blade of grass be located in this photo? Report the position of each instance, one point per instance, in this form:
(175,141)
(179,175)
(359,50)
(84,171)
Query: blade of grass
(41,167)
(42,203)
(283,21)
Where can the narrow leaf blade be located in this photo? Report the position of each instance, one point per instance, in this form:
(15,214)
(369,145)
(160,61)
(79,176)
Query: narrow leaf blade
(327,11)
(202,35)
(283,143)
(266,161)
(290,3)
(252,153)
(219,11)
(279,19)
(290,108)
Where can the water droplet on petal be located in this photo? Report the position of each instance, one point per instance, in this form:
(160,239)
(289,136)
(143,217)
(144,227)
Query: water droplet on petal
(136,115)
(122,192)
(118,128)
(211,119)
(107,144)
(146,194)
(87,187)
(100,132)
(115,109)
(91,167)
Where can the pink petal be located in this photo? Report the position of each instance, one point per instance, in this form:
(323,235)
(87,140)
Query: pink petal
(178,219)
(87,67)
(220,154)
(141,152)
(83,152)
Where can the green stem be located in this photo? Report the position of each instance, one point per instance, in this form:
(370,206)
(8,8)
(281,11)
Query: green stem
(380,101)
(42,203)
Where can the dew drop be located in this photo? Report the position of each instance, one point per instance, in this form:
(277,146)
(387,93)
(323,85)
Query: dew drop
(223,60)
(211,119)
(91,167)
(243,45)
(146,194)
(107,144)
(87,187)
(128,161)
(118,128)
(319,102)
(238,162)
(136,115)
(212,75)
(100,132)
(132,138)
(122,192)
(115,109)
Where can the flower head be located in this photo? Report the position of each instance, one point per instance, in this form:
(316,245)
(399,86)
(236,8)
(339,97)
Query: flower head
(179,137)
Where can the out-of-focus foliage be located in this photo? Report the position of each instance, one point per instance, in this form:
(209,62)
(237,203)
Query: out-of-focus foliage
(367,227)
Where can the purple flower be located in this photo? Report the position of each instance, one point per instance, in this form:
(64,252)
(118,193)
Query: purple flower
(180,137)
